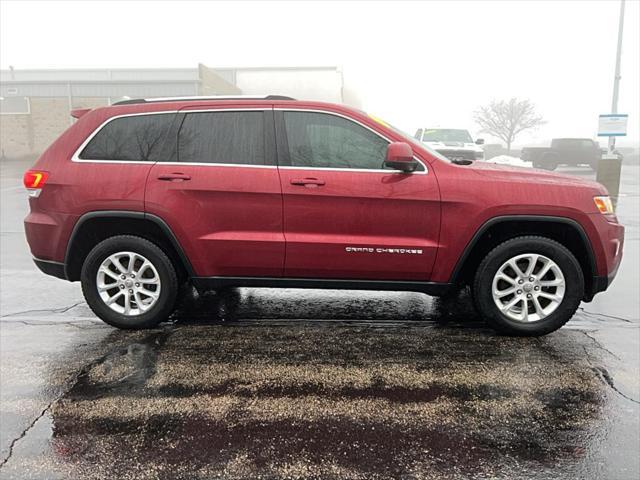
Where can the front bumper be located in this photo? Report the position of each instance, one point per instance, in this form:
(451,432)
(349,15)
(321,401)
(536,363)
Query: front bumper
(611,236)
(598,284)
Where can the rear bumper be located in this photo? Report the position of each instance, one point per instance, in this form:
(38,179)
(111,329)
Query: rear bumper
(47,233)
(55,269)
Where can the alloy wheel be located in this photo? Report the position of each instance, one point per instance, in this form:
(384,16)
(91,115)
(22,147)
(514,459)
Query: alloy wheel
(528,287)
(128,283)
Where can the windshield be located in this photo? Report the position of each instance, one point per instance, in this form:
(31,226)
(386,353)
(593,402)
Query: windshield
(446,135)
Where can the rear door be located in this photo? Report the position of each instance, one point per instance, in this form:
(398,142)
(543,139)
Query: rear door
(345,215)
(220,192)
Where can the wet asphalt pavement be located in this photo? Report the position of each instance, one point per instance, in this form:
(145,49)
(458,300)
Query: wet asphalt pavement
(261,383)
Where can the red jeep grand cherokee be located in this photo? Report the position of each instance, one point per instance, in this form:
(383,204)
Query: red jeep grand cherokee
(140,197)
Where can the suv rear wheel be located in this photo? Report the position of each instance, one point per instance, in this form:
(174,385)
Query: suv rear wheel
(528,286)
(129,282)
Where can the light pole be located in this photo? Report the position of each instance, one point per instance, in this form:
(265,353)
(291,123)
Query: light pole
(616,78)
(610,165)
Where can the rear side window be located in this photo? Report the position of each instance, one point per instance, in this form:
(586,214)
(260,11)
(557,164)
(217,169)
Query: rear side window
(223,138)
(327,141)
(141,138)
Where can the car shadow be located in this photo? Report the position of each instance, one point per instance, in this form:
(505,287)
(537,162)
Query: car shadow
(267,306)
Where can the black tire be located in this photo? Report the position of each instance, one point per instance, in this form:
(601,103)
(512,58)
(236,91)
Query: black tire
(564,259)
(163,306)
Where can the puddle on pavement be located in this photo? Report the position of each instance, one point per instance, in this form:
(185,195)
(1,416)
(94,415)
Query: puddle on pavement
(184,401)
(244,384)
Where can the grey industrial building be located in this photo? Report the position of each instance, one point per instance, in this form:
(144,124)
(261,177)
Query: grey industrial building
(35,105)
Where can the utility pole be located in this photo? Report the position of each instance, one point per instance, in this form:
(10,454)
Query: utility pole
(610,165)
(616,78)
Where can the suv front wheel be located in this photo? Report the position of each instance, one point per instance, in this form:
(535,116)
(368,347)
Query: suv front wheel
(528,286)
(129,282)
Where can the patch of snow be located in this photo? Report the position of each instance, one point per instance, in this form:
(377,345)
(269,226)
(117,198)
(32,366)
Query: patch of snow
(508,160)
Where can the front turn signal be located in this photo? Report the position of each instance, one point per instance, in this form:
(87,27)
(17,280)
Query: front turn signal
(604,204)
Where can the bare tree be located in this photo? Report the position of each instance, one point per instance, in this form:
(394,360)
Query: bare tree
(505,119)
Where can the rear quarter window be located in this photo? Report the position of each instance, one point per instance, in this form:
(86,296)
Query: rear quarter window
(139,138)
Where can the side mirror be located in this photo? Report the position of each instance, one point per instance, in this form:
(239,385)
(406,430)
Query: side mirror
(400,157)
(480,141)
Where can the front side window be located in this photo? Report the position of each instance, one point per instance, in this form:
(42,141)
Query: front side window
(223,137)
(138,138)
(319,140)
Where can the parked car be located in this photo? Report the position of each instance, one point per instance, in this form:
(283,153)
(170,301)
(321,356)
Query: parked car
(138,198)
(564,151)
(454,143)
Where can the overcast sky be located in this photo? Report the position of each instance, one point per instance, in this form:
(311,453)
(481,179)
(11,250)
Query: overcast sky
(430,63)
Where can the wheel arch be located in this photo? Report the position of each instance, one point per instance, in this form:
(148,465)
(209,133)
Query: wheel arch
(93,227)
(496,230)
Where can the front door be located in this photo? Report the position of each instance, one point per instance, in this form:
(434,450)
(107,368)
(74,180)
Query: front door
(220,194)
(345,215)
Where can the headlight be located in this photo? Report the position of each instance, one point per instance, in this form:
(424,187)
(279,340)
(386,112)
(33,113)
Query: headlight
(604,204)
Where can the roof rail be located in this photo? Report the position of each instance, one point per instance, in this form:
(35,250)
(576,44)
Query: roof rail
(196,97)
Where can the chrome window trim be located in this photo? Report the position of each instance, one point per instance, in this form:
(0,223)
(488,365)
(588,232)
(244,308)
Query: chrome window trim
(373,170)
(76,155)
(205,164)
(366,170)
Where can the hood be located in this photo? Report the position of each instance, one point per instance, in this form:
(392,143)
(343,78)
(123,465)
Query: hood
(444,146)
(532,175)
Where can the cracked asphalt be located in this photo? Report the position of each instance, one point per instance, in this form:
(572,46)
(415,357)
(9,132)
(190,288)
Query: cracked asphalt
(262,383)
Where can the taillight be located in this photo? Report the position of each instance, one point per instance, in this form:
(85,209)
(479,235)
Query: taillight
(34,180)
